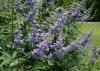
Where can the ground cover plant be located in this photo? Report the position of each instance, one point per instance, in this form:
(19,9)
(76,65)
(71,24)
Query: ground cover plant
(45,35)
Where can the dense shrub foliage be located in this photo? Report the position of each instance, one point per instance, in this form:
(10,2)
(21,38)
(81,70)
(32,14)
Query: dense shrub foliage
(43,35)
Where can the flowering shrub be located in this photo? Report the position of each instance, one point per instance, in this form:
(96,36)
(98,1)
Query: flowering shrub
(42,41)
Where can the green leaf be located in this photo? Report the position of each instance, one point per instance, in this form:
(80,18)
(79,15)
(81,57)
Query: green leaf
(14,55)
(6,62)
(6,55)
(50,63)
(16,62)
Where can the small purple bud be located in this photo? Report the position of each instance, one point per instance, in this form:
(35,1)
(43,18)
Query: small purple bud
(19,9)
(78,46)
(17,3)
(46,23)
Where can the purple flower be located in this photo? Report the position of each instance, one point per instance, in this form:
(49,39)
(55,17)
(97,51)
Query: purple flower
(93,56)
(19,9)
(43,44)
(37,53)
(18,41)
(58,24)
(30,1)
(87,12)
(63,16)
(46,23)
(65,23)
(37,35)
(86,39)
(17,3)
(57,28)
(44,47)
(78,45)
(34,30)
(34,40)
(36,25)
(80,14)
(45,50)
(57,54)
(31,15)
(58,44)
(52,29)
(66,50)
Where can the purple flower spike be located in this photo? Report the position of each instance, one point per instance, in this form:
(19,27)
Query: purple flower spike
(31,15)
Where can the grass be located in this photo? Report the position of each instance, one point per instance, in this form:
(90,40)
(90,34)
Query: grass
(96,35)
